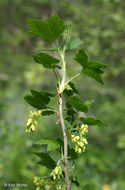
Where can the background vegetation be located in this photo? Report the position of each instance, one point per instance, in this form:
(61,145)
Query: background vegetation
(100,24)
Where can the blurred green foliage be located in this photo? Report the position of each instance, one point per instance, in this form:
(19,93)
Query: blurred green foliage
(100,24)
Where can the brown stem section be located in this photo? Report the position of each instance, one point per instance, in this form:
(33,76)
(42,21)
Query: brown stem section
(65,143)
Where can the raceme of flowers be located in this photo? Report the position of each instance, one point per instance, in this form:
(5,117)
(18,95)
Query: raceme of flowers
(57,172)
(33,121)
(79,140)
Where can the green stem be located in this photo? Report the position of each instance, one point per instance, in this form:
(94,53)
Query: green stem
(62,57)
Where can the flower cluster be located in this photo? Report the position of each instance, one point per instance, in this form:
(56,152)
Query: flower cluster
(79,140)
(57,172)
(46,183)
(84,129)
(33,120)
(40,183)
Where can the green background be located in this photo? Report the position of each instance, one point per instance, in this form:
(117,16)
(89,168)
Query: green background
(100,24)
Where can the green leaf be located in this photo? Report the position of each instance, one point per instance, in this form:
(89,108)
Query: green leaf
(92,121)
(95,65)
(49,30)
(46,160)
(81,58)
(71,151)
(94,73)
(71,114)
(46,60)
(91,69)
(75,181)
(78,104)
(74,43)
(38,100)
(72,90)
(48,112)
(51,144)
(68,124)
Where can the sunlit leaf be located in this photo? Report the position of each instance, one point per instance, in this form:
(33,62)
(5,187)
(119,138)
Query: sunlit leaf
(49,29)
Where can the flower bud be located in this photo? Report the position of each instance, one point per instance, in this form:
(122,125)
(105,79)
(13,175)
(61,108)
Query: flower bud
(29,122)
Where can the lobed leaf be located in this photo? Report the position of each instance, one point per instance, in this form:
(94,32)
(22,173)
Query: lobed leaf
(46,60)
(46,160)
(91,69)
(78,104)
(74,43)
(51,144)
(38,100)
(94,73)
(92,121)
(49,29)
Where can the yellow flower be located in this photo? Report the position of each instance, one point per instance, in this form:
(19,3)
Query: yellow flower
(106,187)
(29,122)
(33,120)
(57,172)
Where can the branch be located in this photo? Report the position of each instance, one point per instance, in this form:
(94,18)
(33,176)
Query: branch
(65,143)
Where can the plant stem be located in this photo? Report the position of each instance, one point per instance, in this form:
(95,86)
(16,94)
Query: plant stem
(65,143)
(62,56)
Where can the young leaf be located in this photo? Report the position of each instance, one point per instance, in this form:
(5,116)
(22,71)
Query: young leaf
(49,30)
(78,104)
(91,69)
(70,91)
(74,43)
(46,60)
(92,121)
(38,100)
(51,144)
(88,103)
(46,160)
